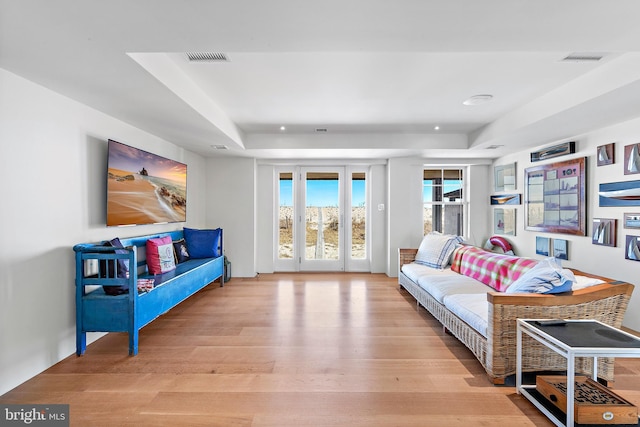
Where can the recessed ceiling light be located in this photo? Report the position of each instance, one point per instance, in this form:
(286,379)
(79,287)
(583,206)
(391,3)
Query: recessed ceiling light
(283,128)
(219,147)
(478,99)
(436,127)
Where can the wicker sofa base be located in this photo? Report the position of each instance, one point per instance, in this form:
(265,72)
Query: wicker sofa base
(497,351)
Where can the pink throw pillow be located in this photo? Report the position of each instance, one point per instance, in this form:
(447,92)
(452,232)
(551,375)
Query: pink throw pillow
(160,257)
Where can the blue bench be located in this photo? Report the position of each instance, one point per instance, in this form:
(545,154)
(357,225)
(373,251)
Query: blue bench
(129,312)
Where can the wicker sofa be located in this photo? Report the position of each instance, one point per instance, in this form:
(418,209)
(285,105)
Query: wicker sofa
(495,346)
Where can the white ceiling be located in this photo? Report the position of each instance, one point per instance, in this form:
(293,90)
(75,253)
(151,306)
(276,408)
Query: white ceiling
(378,75)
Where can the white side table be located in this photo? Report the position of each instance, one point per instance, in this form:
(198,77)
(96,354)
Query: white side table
(574,338)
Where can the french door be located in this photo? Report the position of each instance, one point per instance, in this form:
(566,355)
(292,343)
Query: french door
(315,229)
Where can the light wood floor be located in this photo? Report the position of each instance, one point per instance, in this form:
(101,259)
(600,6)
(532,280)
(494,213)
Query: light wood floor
(290,350)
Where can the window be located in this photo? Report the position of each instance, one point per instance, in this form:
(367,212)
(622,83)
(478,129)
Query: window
(443,200)
(285,215)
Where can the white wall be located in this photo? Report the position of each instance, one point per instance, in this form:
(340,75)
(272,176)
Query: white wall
(231,204)
(405,222)
(583,255)
(53,155)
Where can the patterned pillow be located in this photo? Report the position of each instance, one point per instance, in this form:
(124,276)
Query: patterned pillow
(180,251)
(495,270)
(435,249)
(160,255)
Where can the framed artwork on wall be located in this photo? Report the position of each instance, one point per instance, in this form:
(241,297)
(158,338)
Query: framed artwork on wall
(625,193)
(542,246)
(632,159)
(504,221)
(560,249)
(632,220)
(604,232)
(554,151)
(604,154)
(632,248)
(505,177)
(555,200)
(506,199)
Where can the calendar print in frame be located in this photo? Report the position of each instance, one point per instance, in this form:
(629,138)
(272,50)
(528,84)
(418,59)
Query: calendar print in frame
(555,200)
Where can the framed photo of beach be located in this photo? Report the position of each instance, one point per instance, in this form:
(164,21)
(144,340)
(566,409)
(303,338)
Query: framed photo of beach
(604,232)
(631,220)
(144,188)
(505,177)
(555,197)
(632,159)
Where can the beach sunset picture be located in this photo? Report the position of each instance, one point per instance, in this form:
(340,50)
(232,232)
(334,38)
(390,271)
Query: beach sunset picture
(144,188)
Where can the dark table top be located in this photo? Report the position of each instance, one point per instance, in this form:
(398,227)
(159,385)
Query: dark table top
(592,334)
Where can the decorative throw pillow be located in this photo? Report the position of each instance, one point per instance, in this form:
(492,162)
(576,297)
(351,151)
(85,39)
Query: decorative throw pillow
(203,243)
(435,249)
(160,255)
(109,269)
(180,251)
(546,277)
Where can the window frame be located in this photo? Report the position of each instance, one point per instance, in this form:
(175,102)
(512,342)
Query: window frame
(462,202)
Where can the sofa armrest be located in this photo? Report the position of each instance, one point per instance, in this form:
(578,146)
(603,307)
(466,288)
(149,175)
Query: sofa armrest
(406,256)
(606,302)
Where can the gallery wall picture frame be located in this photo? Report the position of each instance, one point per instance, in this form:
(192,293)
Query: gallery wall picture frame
(505,177)
(561,249)
(542,246)
(631,220)
(554,151)
(632,159)
(555,197)
(506,199)
(624,193)
(605,154)
(604,232)
(632,248)
(504,221)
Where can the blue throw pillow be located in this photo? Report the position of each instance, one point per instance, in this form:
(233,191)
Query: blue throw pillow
(203,243)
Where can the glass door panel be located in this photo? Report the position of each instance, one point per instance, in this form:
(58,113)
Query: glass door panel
(358,216)
(285,216)
(323,218)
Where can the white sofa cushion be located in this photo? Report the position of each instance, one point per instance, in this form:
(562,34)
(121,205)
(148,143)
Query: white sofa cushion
(442,285)
(473,309)
(414,270)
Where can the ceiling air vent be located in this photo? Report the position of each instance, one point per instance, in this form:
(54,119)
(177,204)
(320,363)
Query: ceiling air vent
(219,147)
(322,130)
(207,57)
(494,147)
(583,57)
